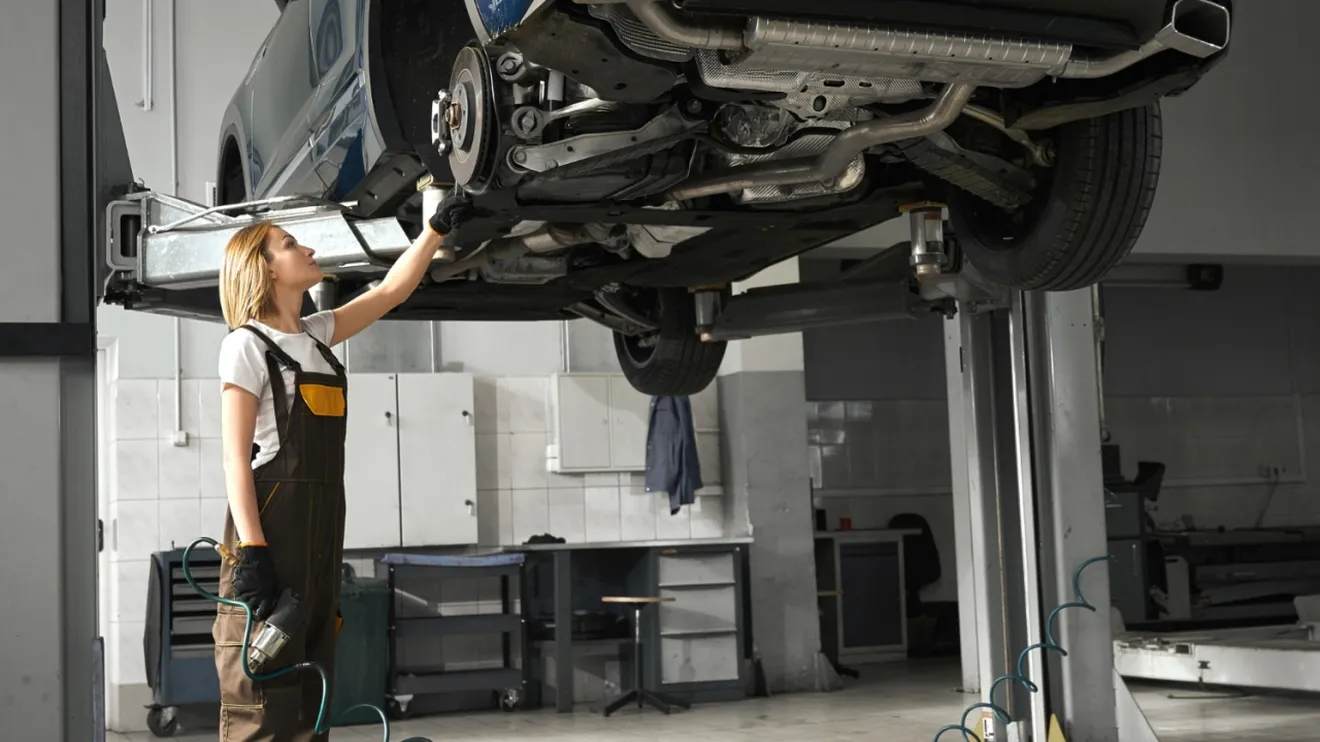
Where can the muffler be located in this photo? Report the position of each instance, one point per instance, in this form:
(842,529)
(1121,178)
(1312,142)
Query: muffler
(1198,28)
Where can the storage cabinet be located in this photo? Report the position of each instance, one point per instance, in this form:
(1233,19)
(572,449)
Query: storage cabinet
(437,460)
(599,424)
(699,631)
(410,461)
(371,455)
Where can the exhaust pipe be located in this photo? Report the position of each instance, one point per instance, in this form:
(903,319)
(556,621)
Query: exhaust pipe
(1199,28)
(665,24)
(846,146)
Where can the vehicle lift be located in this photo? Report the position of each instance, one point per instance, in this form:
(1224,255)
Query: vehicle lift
(1024,407)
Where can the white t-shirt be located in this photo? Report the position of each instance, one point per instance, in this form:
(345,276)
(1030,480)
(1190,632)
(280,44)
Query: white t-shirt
(243,364)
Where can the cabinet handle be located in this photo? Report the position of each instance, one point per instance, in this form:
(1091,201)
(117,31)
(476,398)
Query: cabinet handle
(389,417)
(469,505)
(467,417)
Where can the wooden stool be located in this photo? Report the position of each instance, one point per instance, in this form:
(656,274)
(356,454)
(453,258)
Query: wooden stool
(639,692)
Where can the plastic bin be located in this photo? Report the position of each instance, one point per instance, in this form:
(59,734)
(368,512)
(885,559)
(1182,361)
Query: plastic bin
(363,651)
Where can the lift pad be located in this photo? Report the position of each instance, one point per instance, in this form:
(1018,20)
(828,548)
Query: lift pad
(162,242)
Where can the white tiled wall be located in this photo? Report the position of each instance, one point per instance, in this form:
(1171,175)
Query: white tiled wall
(162,495)
(517,498)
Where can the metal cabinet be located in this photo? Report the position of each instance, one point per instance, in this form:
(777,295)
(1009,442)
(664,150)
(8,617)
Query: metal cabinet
(410,474)
(437,460)
(700,649)
(599,424)
(371,455)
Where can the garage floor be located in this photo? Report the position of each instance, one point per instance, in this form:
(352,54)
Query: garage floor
(898,703)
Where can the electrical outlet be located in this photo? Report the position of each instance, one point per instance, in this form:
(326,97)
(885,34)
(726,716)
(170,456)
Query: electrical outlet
(1273,472)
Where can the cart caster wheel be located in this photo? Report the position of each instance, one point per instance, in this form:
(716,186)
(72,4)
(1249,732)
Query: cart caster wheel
(163,721)
(399,710)
(510,698)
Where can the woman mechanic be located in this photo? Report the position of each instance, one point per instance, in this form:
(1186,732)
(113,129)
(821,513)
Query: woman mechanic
(283,409)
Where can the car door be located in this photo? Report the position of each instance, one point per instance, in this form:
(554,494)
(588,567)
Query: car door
(283,89)
(339,105)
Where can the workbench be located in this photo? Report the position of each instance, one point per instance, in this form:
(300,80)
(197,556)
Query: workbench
(699,638)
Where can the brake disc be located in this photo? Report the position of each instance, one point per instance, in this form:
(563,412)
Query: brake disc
(471,118)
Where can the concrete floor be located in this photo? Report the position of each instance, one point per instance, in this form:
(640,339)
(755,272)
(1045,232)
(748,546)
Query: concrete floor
(897,703)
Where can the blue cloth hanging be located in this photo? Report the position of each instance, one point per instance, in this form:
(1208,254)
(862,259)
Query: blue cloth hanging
(672,465)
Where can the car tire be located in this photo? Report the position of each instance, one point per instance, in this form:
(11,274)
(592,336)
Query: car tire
(1091,208)
(679,363)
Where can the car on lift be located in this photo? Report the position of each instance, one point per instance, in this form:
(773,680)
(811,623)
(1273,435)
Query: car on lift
(630,159)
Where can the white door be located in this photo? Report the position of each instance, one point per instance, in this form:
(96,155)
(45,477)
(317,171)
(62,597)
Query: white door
(629,412)
(437,460)
(371,458)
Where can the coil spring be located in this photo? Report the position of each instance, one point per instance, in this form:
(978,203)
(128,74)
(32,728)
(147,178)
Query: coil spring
(1049,645)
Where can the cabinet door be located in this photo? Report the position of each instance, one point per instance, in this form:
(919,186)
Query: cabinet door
(629,411)
(582,421)
(371,463)
(437,460)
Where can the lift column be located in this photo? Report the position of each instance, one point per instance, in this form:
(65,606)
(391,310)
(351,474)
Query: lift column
(51,72)
(1029,510)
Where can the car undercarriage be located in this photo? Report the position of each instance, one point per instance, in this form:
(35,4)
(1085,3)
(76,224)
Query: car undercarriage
(629,160)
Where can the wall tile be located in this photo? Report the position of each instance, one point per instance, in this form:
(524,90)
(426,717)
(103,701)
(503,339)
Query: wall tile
(130,664)
(212,479)
(506,518)
(568,514)
(180,470)
(129,581)
(676,526)
(601,479)
(527,460)
(212,521)
(602,513)
(637,515)
(706,409)
(485,408)
(531,513)
(136,529)
(180,523)
(708,517)
(708,453)
(165,415)
(208,404)
(136,470)
(520,403)
(488,517)
(135,416)
(489,460)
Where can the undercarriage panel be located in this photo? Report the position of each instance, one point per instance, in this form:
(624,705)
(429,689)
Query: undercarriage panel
(1117,24)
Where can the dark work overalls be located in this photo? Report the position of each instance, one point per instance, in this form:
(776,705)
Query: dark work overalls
(300,493)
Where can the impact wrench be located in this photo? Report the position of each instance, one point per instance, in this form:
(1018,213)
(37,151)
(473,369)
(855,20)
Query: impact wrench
(284,622)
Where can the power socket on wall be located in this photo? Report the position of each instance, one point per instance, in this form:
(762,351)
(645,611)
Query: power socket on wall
(1272,472)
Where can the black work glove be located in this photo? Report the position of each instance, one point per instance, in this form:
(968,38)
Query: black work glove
(254,581)
(454,209)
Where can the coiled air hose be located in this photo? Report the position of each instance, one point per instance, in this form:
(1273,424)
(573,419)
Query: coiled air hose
(1049,645)
(321,723)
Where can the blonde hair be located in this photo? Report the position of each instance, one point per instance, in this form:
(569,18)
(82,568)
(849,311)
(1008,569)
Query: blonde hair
(246,290)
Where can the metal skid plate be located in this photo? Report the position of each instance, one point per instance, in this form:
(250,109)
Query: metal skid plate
(163,242)
(795,307)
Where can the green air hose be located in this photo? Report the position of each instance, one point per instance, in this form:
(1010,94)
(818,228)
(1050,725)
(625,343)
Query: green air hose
(321,725)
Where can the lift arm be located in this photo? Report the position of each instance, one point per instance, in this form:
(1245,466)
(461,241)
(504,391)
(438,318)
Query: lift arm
(159,245)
